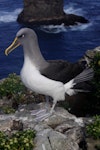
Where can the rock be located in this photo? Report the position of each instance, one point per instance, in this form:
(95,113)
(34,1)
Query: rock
(42,140)
(17,125)
(42,143)
(66,126)
(5,102)
(5,123)
(89,55)
(93,143)
(47,12)
(60,142)
(62,130)
(76,134)
(60,116)
(41,127)
(53,140)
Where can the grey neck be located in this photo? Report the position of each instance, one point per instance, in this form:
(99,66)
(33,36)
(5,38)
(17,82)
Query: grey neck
(32,50)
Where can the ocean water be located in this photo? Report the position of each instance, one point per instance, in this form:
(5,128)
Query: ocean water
(56,42)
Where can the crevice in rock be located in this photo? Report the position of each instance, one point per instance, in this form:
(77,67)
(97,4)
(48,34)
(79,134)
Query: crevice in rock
(83,145)
(50,143)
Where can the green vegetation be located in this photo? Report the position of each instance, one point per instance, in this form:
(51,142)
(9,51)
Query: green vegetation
(93,129)
(12,87)
(8,110)
(96,66)
(93,105)
(22,140)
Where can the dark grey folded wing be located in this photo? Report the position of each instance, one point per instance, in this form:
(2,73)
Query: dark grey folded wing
(62,70)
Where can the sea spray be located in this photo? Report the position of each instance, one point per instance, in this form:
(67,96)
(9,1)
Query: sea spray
(6,17)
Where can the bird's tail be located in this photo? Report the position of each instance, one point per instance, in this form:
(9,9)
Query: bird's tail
(86,75)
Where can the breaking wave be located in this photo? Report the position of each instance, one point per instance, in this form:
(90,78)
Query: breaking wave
(6,17)
(81,27)
(53,28)
(73,9)
(62,28)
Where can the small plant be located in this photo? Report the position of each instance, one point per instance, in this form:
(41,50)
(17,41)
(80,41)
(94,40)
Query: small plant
(8,110)
(93,129)
(18,141)
(12,87)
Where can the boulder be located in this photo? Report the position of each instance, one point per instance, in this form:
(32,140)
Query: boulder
(44,12)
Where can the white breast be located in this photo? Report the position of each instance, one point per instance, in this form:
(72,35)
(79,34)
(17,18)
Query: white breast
(33,80)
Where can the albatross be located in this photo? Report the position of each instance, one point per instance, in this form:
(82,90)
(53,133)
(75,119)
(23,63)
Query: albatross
(51,78)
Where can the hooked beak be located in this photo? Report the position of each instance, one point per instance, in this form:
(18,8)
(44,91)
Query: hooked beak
(14,45)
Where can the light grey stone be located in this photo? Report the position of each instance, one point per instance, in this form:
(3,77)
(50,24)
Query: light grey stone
(42,143)
(6,124)
(60,142)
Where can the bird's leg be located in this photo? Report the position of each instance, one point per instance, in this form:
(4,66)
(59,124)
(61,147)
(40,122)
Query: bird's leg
(41,118)
(47,113)
(38,112)
(47,103)
(42,111)
(53,106)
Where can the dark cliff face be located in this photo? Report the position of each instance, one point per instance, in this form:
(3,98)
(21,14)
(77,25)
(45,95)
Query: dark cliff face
(43,8)
(46,12)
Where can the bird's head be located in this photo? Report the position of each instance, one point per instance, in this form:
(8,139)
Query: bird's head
(23,36)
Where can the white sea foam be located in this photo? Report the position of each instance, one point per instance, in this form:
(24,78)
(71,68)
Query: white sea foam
(62,28)
(53,28)
(6,17)
(81,27)
(72,9)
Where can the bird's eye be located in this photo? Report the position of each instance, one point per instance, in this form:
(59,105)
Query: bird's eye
(21,36)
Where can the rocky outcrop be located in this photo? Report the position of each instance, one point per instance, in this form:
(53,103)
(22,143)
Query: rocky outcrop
(47,12)
(89,55)
(61,131)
